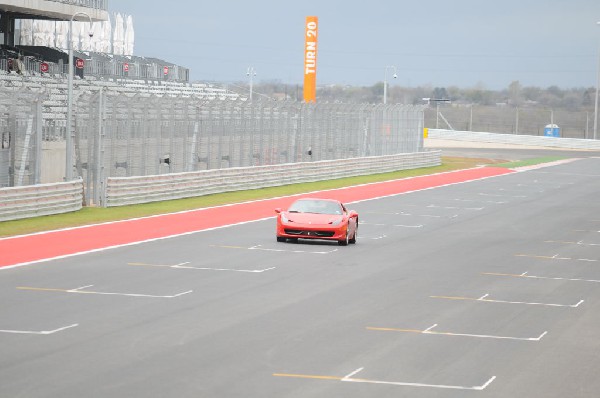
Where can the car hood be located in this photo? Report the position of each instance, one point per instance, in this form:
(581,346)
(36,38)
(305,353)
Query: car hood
(311,218)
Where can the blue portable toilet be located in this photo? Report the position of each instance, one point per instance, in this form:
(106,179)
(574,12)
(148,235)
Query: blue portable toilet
(551,130)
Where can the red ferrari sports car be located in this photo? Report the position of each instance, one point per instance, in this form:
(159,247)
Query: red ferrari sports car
(326,219)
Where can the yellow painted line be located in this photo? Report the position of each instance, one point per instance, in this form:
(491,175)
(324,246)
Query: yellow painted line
(299,376)
(454,298)
(580,243)
(531,256)
(47,289)
(149,265)
(500,274)
(525,275)
(556,257)
(42,289)
(395,330)
(228,247)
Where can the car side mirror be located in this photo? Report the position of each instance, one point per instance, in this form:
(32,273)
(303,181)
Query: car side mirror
(352,214)
(278,210)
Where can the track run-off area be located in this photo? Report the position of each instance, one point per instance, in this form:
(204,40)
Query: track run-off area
(480,282)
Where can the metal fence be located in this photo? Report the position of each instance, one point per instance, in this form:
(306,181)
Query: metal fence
(119,136)
(118,133)
(21,126)
(510,120)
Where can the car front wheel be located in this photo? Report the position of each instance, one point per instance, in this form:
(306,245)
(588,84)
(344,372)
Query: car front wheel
(353,239)
(344,242)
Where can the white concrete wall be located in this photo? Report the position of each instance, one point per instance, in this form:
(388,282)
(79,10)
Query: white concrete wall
(52,9)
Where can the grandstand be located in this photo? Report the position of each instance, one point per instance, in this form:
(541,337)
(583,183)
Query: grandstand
(55,87)
(45,69)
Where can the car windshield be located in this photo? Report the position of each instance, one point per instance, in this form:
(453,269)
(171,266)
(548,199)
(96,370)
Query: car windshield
(315,206)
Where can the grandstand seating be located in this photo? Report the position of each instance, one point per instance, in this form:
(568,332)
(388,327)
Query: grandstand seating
(55,86)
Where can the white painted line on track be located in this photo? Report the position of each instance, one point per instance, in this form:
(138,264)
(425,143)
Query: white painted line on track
(350,379)
(526,275)
(259,247)
(185,266)
(383,236)
(495,202)
(392,225)
(454,207)
(430,331)
(349,375)
(251,271)
(502,196)
(401,213)
(556,257)
(580,243)
(81,291)
(405,384)
(43,332)
(485,299)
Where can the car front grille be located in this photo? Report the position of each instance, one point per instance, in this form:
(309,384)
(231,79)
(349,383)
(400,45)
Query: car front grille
(320,234)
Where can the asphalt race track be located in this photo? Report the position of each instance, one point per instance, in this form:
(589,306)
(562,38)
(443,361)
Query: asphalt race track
(486,288)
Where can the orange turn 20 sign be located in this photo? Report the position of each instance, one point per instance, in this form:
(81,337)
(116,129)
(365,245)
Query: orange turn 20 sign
(310,59)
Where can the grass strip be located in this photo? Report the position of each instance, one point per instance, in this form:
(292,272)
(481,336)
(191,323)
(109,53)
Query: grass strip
(530,162)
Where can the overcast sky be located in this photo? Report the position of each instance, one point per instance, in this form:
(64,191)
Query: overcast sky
(464,43)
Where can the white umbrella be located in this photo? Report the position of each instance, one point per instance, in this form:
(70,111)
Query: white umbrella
(118,35)
(26,32)
(38,33)
(86,40)
(48,29)
(62,29)
(129,36)
(106,44)
(75,34)
(98,37)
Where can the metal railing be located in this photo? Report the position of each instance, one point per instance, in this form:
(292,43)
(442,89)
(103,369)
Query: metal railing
(96,4)
(134,190)
(40,200)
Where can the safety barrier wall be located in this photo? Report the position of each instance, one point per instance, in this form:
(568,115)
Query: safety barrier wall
(530,140)
(40,200)
(133,190)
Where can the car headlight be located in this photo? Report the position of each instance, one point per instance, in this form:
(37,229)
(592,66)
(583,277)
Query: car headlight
(336,221)
(284,219)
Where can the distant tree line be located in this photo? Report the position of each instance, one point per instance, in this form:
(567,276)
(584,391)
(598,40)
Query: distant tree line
(515,95)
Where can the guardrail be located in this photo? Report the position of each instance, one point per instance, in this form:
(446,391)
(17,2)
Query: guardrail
(122,191)
(531,140)
(40,200)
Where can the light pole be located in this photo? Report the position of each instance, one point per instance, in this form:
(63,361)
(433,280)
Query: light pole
(69,133)
(597,89)
(385,81)
(251,73)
